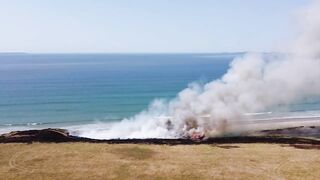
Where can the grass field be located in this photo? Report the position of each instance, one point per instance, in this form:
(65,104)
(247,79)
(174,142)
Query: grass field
(129,161)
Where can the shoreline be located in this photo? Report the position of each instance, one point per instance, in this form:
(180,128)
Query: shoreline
(240,127)
(293,135)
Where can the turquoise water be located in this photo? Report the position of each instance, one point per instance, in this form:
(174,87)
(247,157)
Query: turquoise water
(61,88)
(50,89)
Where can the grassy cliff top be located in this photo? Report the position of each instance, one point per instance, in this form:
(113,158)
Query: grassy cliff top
(132,161)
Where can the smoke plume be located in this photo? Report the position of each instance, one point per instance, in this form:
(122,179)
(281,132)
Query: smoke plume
(253,83)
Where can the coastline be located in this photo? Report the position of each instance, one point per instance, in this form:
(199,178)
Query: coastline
(238,127)
(293,135)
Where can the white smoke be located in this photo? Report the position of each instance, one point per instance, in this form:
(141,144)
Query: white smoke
(252,84)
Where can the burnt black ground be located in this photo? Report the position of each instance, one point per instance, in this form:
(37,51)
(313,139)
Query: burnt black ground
(278,136)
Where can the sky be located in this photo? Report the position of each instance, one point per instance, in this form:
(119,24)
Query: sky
(146,26)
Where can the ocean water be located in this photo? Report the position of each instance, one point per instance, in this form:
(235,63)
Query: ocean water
(58,90)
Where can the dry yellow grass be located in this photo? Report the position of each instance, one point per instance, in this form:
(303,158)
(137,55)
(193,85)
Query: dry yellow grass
(129,161)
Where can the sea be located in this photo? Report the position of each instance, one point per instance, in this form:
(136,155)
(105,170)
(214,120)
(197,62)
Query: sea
(72,90)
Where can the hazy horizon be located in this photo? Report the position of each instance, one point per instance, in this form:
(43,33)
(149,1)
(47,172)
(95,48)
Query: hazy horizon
(146,27)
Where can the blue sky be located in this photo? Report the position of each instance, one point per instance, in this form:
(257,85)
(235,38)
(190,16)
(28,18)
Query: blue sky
(108,26)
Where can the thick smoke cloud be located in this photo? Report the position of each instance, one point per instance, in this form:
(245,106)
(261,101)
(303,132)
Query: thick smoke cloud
(252,84)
